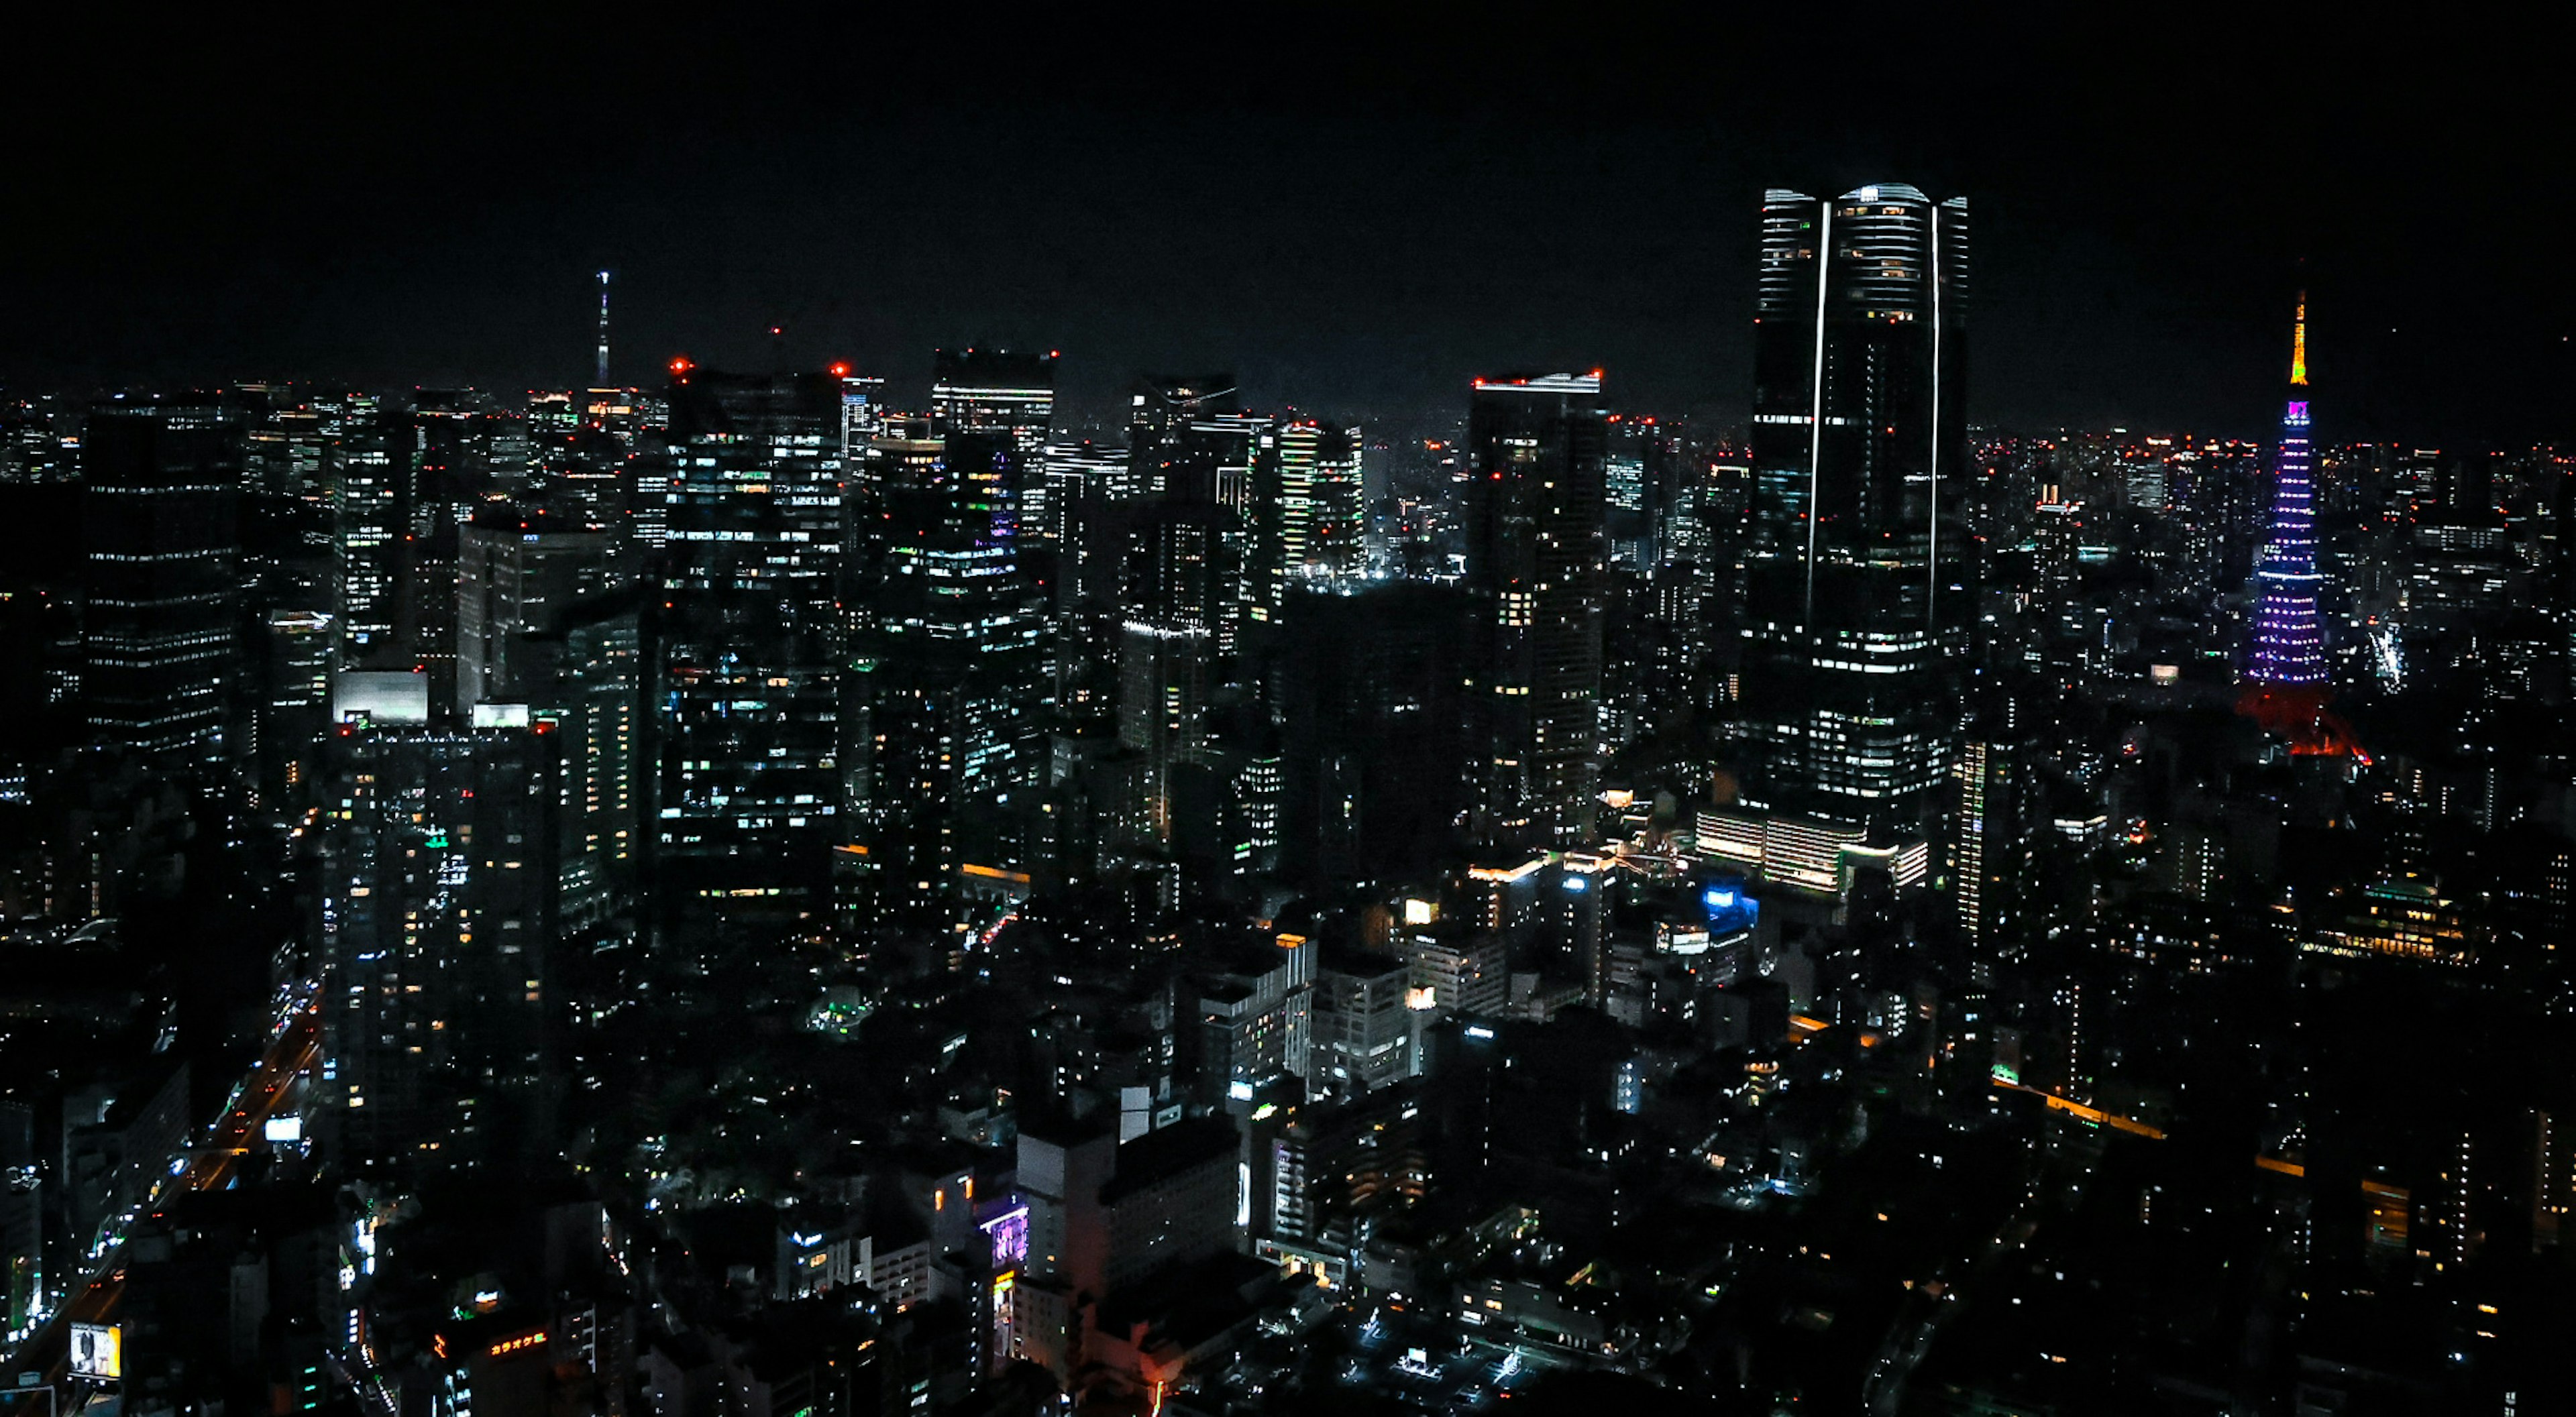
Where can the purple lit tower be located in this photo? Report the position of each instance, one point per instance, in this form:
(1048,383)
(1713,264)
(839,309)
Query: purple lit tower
(2286,688)
(2289,648)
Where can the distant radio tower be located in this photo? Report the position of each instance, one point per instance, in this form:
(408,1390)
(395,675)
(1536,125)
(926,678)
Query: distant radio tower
(601,380)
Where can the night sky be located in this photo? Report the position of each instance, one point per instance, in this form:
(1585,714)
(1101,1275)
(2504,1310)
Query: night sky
(1353,213)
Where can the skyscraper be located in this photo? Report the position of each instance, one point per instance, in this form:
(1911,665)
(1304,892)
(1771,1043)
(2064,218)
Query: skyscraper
(947,664)
(1374,755)
(1993,817)
(1189,438)
(1306,510)
(994,390)
(2286,681)
(364,492)
(443,461)
(516,575)
(542,638)
(1077,475)
(751,640)
(292,661)
(1537,448)
(162,587)
(1174,594)
(1854,574)
(863,412)
(438,911)
(582,672)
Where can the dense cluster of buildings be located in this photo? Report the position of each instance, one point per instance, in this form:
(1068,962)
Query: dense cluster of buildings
(807,894)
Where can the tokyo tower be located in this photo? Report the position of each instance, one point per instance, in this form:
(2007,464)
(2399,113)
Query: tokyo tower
(2286,683)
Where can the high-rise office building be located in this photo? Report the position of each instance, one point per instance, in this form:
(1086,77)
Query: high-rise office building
(995,391)
(1373,743)
(864,411)
(363,490)
(516,574)
(1189,438)
(1306,511)
(947,665)
(163,591)
(1853,563)
(447,454)
(1104,1217)
(585,475)
(750,654)
(581,670)
(1537,448)
(544,637)
(1165,403)
(293,660)
(285,454)
(1077,474)
(1177,585)
(438,911)
(1160,416)
(1993,819)
(1365,1035)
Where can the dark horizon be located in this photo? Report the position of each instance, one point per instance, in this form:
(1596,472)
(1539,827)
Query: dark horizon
(1354,216)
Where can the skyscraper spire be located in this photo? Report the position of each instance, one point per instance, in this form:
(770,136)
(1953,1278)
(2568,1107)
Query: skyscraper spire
(2299,345)
(599,378)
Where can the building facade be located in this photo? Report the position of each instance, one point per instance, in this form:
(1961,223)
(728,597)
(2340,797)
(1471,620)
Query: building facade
(1854,572)
(1536,551)
(750,654)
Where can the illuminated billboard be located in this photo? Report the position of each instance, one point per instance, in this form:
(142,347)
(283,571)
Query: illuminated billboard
(499,716)
(379,697)
(97,1351)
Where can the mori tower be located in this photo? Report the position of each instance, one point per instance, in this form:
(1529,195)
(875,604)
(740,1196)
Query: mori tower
(1854,588)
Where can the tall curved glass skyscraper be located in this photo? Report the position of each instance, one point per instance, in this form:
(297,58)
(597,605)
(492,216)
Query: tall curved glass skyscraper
(1854,589)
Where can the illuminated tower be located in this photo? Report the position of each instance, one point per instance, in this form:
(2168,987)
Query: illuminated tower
(2286,687)
(600,378)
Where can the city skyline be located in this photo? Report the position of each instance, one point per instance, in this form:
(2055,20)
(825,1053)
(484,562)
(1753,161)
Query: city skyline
(2124,258)
(1396,713)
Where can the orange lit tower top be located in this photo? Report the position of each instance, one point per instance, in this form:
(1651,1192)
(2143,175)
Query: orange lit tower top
(2299,345)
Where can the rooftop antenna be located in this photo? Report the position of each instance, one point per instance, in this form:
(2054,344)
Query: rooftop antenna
(2299,344)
